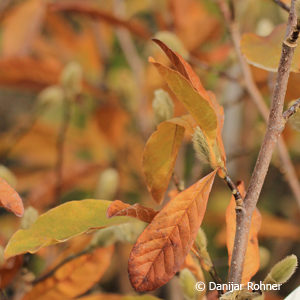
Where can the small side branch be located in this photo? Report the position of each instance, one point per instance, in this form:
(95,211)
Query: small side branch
(291,110)
(236,193)
(282,5)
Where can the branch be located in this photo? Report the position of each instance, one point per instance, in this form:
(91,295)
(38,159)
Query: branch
(274,129)
(60,144)
(282,5)
(287,166)
(291,110)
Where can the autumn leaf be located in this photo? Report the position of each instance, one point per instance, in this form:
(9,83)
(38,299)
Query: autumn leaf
(21,26)
(74,277)
(264,52)
(119,208)
(161,249)
(159,157)
(60,224)
(10,199)
(251,263)
(201,104)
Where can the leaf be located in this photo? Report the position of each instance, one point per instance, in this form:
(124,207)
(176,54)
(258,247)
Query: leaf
(92,11)
(29,72)
(264,52)
(60,224)
(201,104)
(162,248)
(21,26)
(251,263)
(159,157)
(119,208)
(74,277)
(10,199)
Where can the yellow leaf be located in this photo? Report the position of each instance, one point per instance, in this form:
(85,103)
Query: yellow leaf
(159,157)
(60,224)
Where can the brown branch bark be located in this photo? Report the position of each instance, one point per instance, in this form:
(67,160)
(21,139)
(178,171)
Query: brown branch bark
(274,129)
(287,165)
(291,110)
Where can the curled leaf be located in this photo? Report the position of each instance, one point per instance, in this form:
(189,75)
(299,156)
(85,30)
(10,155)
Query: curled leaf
(119,208)
(161,249)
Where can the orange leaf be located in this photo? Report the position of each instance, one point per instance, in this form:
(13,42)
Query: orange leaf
(264,51)
(251,263)
(21,26)
(161,249)
(119,208)
(159,157)
(73,278)
(10,199)
(201,104)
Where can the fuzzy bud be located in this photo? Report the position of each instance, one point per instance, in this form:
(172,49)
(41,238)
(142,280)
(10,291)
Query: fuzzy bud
(163,106)
(29,217)
(283,270)
(200,145)
(51,95)
(188,282)
(8,176)
(71,78)
(107,184)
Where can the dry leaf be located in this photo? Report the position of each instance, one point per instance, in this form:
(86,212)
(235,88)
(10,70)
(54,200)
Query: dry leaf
(10,199)
(162,248)
(251,263)
(73,278)
(119,208)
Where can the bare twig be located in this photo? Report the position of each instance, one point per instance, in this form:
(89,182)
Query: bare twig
(291,110)
(60,145)
(287,166)
(274,129)
(236,193)
(282,5)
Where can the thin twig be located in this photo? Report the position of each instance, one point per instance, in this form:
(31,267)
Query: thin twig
(282,5)
(274,129)
(235,192)
(287,165)
(291,110)
(177,183)
(60,145)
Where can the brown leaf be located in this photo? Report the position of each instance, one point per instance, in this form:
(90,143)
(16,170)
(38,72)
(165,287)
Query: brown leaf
(251,263)
(119,208)
(10,199)
(73,278)
(92,11)
(161,249)
(29,72)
